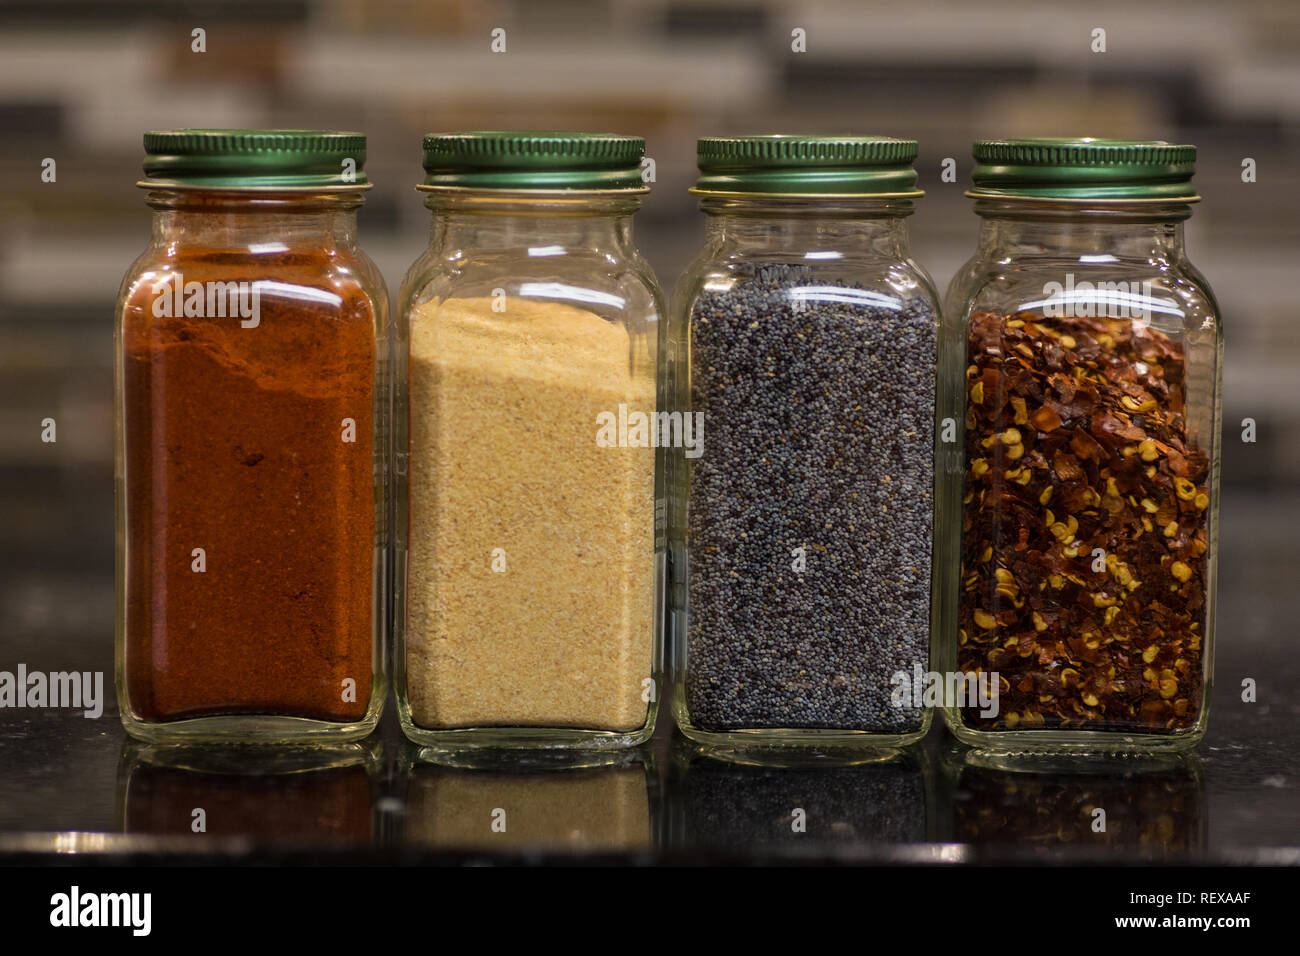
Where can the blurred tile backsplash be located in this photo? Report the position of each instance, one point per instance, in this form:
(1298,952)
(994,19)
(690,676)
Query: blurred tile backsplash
(80,81)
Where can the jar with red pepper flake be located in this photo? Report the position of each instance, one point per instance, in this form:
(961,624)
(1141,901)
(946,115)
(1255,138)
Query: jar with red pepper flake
(1080,396)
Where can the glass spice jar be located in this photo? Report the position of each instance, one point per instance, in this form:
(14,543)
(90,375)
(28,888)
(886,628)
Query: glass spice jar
(250,444)
(1082,360)
(805,339)
(528,576)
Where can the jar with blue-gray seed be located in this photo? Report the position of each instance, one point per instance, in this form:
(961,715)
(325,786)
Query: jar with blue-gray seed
(802,358)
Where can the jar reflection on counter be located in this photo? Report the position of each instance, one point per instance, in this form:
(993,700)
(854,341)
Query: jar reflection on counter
(527,606)
(1156,804)
(251,454)
(776,799)
(553,800)
(272,796)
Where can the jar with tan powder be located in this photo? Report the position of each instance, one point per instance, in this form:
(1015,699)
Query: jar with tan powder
(528,573)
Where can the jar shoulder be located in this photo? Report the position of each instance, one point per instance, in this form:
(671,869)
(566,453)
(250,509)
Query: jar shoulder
(344,273)
(608,281)
(723,268)
(1172,287)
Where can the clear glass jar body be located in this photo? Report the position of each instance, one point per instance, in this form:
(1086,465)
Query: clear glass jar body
(251,449)
(1081,368)
(805,337)
(529,562)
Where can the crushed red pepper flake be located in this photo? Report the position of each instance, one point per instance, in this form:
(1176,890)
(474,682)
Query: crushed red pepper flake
(1099,459)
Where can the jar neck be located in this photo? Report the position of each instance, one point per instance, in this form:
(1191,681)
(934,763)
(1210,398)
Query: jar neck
(491,220)
(1022,230)
(810,225)
(268,222)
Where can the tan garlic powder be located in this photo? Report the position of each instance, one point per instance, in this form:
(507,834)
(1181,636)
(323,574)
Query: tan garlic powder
(503,455)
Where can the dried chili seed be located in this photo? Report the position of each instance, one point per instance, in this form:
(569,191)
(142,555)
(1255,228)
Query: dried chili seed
(1076,446)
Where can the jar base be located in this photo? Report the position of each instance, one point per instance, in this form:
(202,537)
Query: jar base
(1032,743)
(452,739)
(783,738)
(250,729)
(257,729)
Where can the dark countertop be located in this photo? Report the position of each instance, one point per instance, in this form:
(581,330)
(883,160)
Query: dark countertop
(73,782)
(69,782)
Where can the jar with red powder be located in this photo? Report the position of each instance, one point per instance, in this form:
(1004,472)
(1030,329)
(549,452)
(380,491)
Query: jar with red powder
(251,417)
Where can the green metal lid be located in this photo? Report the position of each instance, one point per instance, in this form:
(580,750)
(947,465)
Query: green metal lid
(260,159)
(533,160)
(807,166)
(1084,169)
